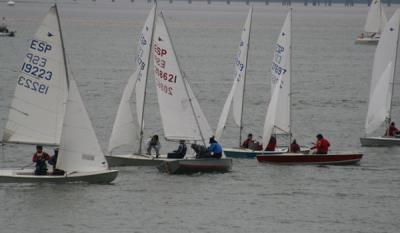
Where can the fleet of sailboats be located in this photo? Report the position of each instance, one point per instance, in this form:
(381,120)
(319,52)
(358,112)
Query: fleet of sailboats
(47,109)
(382,85)
(374,25)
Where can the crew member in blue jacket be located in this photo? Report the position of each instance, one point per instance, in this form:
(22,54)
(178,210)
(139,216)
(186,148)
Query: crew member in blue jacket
(215,148)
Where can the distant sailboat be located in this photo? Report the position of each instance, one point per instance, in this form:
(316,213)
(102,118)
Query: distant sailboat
(278,116)
(125,131)
(374,25)
(382,85)
(47,110)
(181,115)
(10,3)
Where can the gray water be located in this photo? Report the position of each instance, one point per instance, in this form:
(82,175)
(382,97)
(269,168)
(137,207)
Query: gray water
(331,78)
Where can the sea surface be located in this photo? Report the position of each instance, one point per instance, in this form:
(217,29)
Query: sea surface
(331,77)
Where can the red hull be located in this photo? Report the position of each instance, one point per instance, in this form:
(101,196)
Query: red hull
(310,159)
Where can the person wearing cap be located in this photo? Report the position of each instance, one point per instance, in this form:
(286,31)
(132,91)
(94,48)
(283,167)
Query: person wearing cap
(322,145)
(40,158)
(215,148)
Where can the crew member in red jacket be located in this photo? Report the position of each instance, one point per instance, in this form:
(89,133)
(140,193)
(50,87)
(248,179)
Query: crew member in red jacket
(392,130)
(40,158)
(271,144)
(248,142)
(322,145)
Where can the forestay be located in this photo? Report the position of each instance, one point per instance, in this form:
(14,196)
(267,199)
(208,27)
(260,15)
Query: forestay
(382,75)
(38,106)
(376,19)
(124,129)
(281,71)
(236,93)
(180,113)
(79,151)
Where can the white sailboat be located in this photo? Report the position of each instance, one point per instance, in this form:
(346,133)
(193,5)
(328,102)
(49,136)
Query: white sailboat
(280,67)
(374,25)
(10,3)
(181,115)
(382,85)
(125,130)
(47,109)
(278,116)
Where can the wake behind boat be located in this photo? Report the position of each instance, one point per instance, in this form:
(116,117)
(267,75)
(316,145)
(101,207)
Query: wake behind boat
(51,112)
(382,86)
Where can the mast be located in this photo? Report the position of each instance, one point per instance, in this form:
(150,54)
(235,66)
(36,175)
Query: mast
(145,85)
(290,83)
(394,75)
(244,81)
(184,83)
(62,45)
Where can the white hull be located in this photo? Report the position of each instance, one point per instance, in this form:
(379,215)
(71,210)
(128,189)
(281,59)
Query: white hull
(380,141)
(9,34)
(27,176)
(367,40)
(134,160)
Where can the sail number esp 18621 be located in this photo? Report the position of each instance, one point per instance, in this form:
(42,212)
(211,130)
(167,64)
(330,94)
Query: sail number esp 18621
(34,70)
(164,79)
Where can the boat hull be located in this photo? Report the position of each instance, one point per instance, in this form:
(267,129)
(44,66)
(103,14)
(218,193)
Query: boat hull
(133,160)
(367,40)
(380,141)
(189,166)
(7,34)
(329,159)
(27,176)
(251,154)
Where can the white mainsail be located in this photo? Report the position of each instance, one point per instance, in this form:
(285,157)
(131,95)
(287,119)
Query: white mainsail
(279,104)
(179,109)
(38,106)
(237,91)
(281,71)
(376,19)
(382,75)
(79,150)
(124,129)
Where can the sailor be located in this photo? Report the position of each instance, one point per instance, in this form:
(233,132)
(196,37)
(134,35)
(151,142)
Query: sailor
(322,145)
(215,148)
(294,147)
(3,25)
(180,152)
(248,142)
(392,131)
(271,144)
(154,143)
(40,158)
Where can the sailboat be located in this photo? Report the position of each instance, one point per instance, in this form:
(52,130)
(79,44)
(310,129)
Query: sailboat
(382,85)
(10,3)
(282,125)
(181,115)
(4,31)
(278,114)
(47,109)
(125,130)
(374,25)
